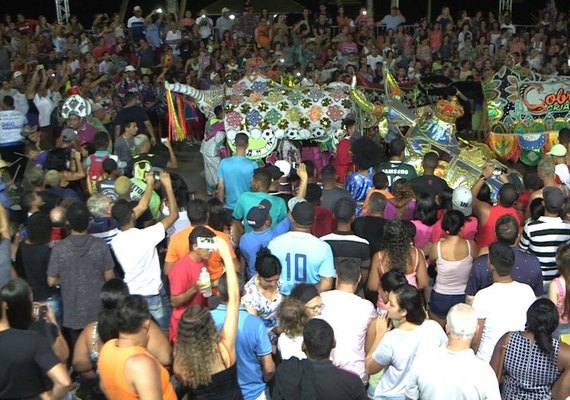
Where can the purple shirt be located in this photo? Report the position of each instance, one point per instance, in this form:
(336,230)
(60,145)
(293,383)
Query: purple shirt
(526,270)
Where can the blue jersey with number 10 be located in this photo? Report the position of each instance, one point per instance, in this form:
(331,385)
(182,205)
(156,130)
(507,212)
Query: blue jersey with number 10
(304,259)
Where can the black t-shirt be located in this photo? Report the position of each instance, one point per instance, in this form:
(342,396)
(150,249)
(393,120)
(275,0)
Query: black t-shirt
(26,358)
(31,264)
(428,184)
(133,113)
(371,229)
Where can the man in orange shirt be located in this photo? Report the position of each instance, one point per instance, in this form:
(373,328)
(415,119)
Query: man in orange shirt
(179,247)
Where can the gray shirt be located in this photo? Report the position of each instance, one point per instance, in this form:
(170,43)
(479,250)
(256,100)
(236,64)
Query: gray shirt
(331,196)
(5,262)
(124,148)
(79,261)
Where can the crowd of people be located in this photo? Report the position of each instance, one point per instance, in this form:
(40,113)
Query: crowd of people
(363,278)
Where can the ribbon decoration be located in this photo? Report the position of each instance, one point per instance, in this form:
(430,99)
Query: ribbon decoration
(176,128)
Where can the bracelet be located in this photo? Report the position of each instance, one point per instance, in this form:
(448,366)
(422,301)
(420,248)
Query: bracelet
(482,177)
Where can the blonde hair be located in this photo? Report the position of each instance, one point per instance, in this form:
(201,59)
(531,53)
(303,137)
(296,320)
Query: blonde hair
(293,317)
(196,345)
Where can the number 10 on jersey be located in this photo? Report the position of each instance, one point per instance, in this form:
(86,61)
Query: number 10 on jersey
(298,262)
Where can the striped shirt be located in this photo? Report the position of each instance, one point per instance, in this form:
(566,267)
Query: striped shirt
(542,238)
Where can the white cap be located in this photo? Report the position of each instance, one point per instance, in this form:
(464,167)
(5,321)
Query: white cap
(225,10)
(462,200)
(284,167)
(130,68)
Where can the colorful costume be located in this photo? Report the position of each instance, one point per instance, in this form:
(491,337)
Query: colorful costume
(358,186)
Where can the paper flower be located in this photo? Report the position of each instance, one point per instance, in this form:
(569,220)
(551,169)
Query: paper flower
(283,106)
(245,108)
(325,122)
(304,122)
(306,103)
(262,107)
(326,102)
(283,123)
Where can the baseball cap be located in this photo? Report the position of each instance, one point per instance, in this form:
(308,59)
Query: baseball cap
(213,75)
(96,107)
(553,198)
(17,74)
(284,167)
(293,201)
(304,214)
(109,165)
(273,171)
(558,150)
(225,9)
(69,135)
(130,68)
(122,186)
(257,215)
(462,200)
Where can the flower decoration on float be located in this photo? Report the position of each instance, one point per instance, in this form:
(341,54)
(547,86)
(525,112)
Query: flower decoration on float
(264,124)
(326,102)
(449,111)
(283,124)
(304,122)
(245,108)
(306,103)
(325,122)
(263,107)
(283,106)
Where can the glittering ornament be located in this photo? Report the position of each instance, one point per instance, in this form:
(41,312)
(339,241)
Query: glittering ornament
(262,107)
(245,108)
(274,97)
(315,113)
(283,124)
(253,117)
(236,100)
(255,98)
(295,96)
(304,122)
(335,112)
(325,122)
(306,103)
(337,94)
(238,88)
(229,108)
(233,119)
(283,106)
(316,94)
(259,87)
(247,92)
(293,115)
(273,116)
(326,102)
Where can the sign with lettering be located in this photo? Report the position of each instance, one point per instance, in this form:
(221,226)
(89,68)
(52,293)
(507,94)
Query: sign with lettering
(11,125)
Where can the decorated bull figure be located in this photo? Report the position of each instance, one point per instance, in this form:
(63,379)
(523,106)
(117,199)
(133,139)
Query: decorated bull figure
(269,111)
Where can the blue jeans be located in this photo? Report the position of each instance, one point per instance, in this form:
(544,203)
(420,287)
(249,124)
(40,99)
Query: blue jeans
(159,307)
(440,304)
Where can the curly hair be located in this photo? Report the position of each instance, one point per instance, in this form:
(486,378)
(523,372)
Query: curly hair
(292,316)
(196,345)
(365,153)
(403,189)
(397,245)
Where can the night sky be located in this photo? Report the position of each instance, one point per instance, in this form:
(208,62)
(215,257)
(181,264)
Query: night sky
(412,9)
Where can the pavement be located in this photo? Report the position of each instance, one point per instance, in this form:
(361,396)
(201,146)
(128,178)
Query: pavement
(191,166)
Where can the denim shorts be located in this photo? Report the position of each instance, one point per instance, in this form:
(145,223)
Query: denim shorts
(160,309)
(439,304)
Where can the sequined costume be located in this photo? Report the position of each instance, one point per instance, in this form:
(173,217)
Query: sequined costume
(358,186)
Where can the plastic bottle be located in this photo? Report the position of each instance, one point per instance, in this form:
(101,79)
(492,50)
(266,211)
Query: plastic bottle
(205,282)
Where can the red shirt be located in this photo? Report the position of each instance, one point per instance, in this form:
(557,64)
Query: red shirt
(183,275)
(486,234)
(343,160)
(324,222)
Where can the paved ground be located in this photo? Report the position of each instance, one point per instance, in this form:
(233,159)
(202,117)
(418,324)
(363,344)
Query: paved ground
(191,167)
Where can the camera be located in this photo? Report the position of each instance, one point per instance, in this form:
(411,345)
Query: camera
(156,176)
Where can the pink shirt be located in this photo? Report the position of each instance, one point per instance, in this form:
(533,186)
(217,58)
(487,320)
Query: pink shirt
(561,298)
(423,233)
(349,316)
